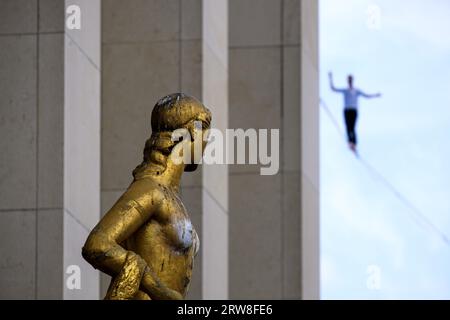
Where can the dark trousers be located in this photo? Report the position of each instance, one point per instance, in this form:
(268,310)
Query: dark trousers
(350,116)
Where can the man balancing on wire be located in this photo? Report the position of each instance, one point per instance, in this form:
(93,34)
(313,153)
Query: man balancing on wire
(351,95)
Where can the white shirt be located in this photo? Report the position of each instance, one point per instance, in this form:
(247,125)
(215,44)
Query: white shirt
(351,96)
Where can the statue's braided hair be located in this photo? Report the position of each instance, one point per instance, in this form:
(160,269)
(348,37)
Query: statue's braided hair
(171,112)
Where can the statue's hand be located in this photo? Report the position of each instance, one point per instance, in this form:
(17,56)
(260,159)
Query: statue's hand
(174,295)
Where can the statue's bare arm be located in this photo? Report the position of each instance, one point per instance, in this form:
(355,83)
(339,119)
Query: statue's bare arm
(103,250)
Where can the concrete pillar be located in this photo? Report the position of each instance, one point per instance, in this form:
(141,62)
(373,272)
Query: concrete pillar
(309,117)
(273,84)
(215,177)
(81,144)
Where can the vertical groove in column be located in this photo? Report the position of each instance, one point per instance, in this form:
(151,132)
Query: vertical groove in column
(281,151)
(180,58)
(37,157)
(301,143)
(180,46)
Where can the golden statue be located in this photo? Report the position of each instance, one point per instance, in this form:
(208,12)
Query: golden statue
(146,241)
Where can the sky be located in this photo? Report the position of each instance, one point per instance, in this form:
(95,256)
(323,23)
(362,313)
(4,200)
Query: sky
(371,247)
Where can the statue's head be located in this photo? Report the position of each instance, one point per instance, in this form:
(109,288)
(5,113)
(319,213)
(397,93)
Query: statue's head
(172,112)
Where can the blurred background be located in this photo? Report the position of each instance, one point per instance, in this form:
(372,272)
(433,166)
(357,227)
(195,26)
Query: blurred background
(385,217)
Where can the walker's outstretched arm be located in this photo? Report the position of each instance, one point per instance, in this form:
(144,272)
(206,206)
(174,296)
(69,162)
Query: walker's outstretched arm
(330,77)
(369,96)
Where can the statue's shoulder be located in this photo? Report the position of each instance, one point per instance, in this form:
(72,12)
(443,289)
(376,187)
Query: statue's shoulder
(146,192)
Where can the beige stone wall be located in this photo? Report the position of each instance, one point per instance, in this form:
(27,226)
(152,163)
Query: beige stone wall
(31,144)
(257,101)
(273,83)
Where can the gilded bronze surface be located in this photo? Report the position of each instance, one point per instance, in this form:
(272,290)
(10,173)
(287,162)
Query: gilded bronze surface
(146,241)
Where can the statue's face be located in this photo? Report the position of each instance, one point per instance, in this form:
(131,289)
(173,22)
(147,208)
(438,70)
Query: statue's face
(200,138)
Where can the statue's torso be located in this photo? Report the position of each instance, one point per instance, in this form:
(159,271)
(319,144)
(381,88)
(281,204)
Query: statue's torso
(168,242)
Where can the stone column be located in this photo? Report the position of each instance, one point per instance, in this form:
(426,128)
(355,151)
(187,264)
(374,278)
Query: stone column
(273,83)
(309,117)
(81,144)
(215,177)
